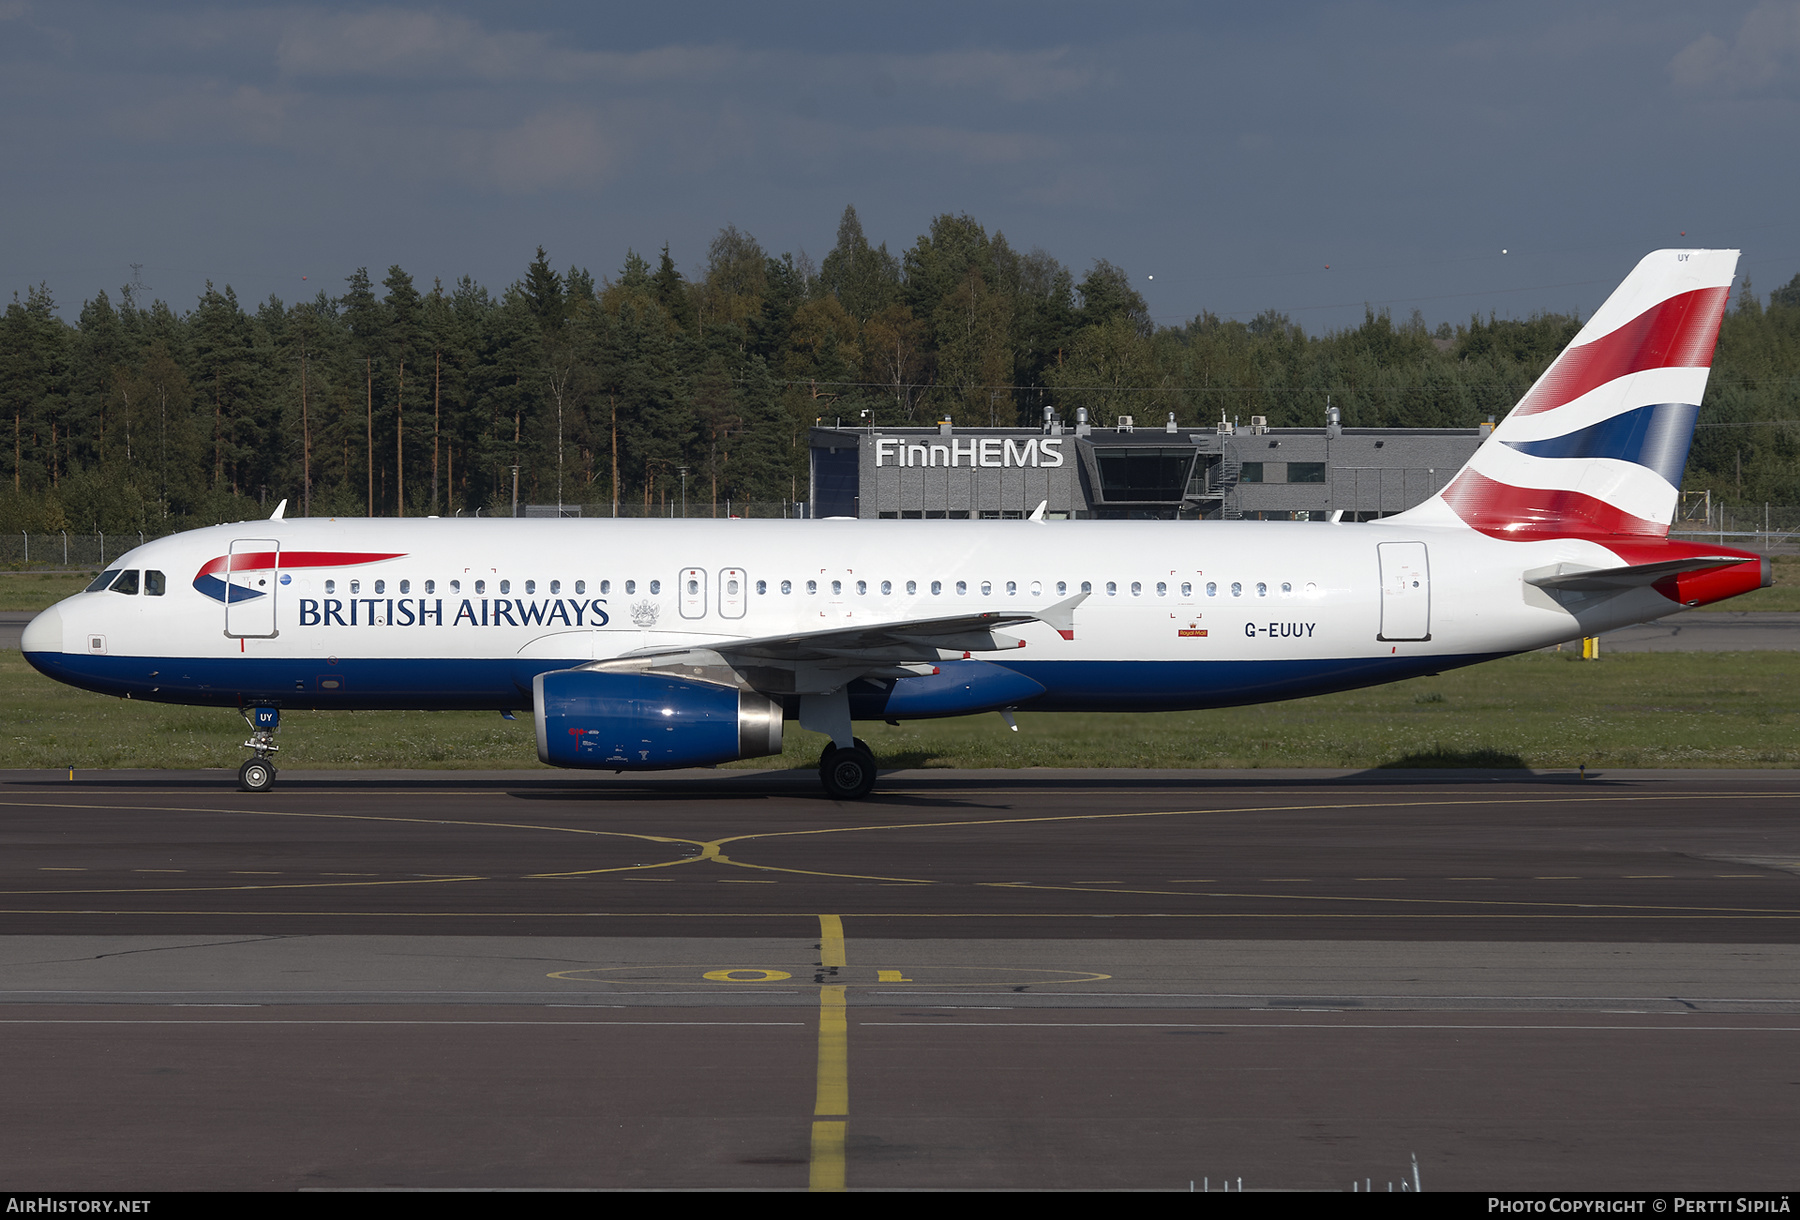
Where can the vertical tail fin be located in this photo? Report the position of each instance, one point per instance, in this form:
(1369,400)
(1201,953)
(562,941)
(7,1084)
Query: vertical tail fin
(1597,446)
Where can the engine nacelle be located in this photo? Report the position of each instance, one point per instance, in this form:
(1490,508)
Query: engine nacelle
(647,722)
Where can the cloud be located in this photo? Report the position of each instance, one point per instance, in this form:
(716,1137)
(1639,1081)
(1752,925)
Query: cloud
(1014,76)
(547,150)
(1763,57)
(411,44)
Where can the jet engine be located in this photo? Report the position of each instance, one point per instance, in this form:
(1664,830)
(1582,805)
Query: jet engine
(648,722)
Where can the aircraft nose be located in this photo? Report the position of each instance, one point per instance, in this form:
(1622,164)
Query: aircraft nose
(44,633)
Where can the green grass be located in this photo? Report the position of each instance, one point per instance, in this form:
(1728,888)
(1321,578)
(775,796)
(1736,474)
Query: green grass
(21,591)
(1541,710)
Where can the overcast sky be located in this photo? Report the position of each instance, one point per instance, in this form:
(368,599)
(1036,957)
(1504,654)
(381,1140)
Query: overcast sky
(1233,152)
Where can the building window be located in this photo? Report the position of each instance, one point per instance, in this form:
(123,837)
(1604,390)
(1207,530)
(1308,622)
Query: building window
(1306,472)
(1250,472)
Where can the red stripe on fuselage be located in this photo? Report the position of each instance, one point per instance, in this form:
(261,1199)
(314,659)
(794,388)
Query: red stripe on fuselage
(252,561)
(1679,333)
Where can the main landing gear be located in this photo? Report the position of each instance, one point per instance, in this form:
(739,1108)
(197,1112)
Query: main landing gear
(258,773)
(849,773)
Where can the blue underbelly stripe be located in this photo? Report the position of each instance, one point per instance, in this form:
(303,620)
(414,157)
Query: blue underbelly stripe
(447,684)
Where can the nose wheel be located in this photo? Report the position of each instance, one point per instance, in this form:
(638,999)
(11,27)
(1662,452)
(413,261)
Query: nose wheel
(258,773)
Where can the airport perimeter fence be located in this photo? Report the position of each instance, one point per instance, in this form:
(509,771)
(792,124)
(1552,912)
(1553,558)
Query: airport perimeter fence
(1754,527)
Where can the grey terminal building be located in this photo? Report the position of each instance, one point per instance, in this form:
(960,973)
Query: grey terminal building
(1222,472)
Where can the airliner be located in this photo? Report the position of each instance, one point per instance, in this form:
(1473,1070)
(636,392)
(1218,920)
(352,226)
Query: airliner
(640,645)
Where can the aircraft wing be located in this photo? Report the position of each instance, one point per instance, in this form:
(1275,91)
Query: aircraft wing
(813,661)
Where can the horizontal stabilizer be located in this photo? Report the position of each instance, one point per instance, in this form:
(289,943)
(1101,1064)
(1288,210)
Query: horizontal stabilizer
(1575,578)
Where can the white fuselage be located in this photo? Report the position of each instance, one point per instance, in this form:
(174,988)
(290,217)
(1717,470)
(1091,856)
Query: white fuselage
(1179,614)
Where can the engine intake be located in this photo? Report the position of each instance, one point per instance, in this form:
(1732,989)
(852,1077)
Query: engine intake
(647,722)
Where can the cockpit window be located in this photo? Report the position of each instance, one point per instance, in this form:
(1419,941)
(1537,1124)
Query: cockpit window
(127,582)
(103,580)
(154,583)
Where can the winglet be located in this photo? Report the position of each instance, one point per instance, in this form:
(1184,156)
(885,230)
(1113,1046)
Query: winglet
(1037,514)
(280,512)
(1062,615)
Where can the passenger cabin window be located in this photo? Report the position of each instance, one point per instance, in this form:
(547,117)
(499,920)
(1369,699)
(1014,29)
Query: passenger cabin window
(1087,586)
(912,588)
(787,586)
(631,586)
(1137,588)
(406,586)
(555,587)
(455,586)
(431,586)
(937,588)
(837,588)
(505,587)
(1187,588)
(1062,587)
(356,586)
(1287,590)
(581,588)
(381,586)
(605,587)
(656,586)
(887,587)
(127,583)
(103,581)
(1162,589)
(154,583)
(1112,588)
(987,588)
(962,588)
(762,587)
(812,588)
(862,588)
(1262,590)
(1237,589)
(1212,588)
(331,586)
(530,587)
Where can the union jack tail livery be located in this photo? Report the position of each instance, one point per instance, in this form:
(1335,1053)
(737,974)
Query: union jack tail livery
(1596,448)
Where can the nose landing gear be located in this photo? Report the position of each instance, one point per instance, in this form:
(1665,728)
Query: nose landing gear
(258,773)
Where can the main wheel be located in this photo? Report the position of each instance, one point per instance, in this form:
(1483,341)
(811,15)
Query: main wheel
(256,775)
(848,775)
(831,748)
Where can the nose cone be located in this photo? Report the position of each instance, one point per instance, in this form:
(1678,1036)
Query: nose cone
(44,633)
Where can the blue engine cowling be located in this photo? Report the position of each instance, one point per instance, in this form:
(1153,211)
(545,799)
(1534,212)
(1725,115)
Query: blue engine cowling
(647,722)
